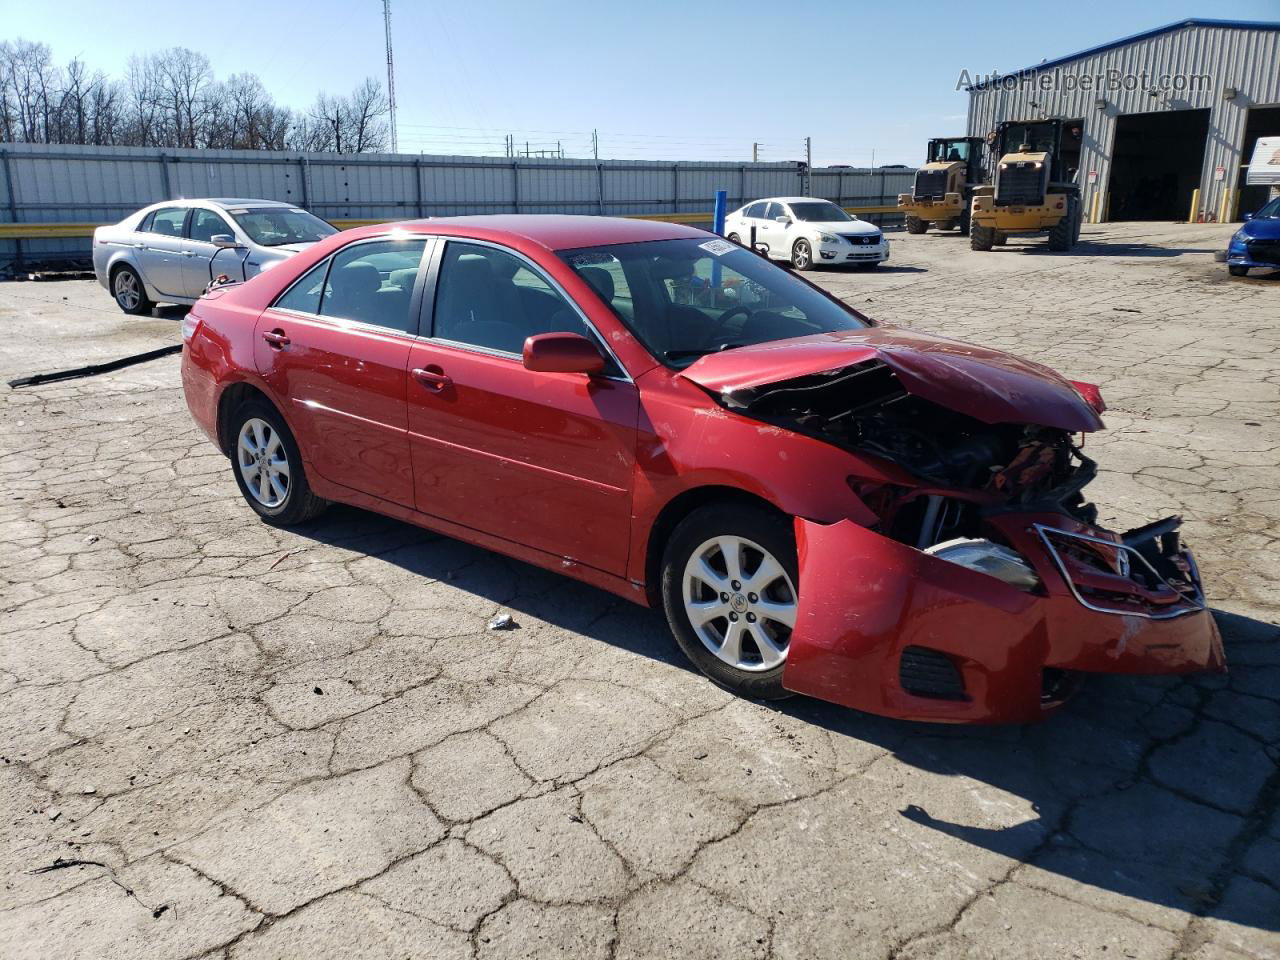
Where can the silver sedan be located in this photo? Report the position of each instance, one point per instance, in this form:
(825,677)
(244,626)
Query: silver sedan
(168,252)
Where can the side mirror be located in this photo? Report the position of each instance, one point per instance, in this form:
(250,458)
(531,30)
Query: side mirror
(224,240)
(562,353)
(1248,216)
(784,219)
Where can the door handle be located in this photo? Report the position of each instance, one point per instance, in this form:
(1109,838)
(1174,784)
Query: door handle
(140,246)
(433,378)
(276,338)
(188,253)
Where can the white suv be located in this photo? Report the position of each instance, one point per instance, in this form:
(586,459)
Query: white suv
(807,231)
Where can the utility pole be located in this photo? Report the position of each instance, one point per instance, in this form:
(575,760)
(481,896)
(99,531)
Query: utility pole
(808,164)
(391,76)
(755,153)
(595,144)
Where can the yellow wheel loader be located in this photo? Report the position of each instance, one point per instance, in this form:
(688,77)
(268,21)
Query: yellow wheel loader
(1032,190)
(944,186)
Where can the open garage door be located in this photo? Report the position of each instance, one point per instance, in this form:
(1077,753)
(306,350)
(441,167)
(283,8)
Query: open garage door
(1263,122)
(1156,164)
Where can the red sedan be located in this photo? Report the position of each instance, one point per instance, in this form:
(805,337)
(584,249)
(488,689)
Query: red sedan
(823,505)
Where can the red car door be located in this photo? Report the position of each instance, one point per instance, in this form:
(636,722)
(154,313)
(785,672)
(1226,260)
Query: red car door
(541,459)
(335,346)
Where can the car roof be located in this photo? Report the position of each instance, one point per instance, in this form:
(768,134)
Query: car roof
(241,202)
(552,231)
(792,200)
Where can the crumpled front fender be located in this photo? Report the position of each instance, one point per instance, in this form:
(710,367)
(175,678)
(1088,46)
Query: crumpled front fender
(865,598)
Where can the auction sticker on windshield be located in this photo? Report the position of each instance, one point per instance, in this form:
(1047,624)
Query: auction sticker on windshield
(718,247)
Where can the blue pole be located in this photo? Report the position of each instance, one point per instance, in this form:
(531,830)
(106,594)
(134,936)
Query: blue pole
(722,199)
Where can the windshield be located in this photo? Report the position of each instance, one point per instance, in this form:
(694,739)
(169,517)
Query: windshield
(949,151)
(819,212)
(275,226)
(687,298)
(1037,137)
(1270,212)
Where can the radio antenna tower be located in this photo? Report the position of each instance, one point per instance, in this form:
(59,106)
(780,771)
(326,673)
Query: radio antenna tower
(391,76)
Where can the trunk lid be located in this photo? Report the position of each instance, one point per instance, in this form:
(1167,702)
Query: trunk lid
(988,385)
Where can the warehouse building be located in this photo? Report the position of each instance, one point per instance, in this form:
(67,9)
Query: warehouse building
(1154,121)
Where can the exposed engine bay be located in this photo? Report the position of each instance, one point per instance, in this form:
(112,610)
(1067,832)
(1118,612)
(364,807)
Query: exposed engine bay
(966,468)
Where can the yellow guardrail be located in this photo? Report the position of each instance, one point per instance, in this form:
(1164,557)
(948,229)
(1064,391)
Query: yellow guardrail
(35,231)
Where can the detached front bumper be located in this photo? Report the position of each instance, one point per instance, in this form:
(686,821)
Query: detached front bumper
(889,629)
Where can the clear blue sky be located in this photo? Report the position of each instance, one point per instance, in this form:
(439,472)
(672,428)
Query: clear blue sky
(660,79)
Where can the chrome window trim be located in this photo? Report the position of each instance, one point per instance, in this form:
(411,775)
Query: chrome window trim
(551,282)
(344,323)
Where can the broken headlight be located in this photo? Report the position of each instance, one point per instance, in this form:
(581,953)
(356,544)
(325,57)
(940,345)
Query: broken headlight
(990,558)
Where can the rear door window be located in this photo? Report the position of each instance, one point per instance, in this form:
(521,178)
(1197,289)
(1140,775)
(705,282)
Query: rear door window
(304,295)
(373,283)
(167,221)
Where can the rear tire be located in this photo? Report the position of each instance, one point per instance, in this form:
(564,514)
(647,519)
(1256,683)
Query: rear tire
(1000,239)
(268,467)
(747,654)
(1237,271)
(802,255)
(916,225)
(129,292)
(980,237)
(964,221)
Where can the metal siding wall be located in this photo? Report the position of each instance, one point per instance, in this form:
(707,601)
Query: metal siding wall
(1246,59)
(59,183)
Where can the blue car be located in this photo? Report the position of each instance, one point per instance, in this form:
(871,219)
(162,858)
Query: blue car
(1257,243)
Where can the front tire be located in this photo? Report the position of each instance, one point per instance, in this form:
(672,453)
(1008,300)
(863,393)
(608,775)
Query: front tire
(1062,233)
(802,255)
(916,225)
(129,292)
(268,467)
(729,576)
(980,237)
(1237,271)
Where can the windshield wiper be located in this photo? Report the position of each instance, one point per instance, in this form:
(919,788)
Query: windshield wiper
(699,352)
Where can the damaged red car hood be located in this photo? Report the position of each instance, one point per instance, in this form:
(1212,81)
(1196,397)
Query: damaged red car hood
(985,384)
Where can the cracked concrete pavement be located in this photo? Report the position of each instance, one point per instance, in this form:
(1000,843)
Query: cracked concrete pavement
(228,741)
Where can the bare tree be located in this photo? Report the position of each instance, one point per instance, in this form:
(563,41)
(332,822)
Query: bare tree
(172,99)
(367,112)
(351,124)
(142,88)
(185,79)
(29,78)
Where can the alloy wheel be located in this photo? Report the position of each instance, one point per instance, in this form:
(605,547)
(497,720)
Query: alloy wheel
(128,295)
(263,462)
(740,602)
(800,255)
